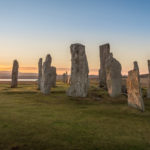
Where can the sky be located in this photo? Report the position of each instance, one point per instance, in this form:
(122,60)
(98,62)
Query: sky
(30,29)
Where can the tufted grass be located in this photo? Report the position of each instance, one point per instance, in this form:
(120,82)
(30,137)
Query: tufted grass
(30,120)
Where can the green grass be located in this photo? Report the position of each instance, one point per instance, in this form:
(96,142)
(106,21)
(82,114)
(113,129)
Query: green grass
(30,120)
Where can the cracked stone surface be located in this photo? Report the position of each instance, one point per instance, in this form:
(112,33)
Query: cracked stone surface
(134,90)
(39,73)
(46,75)
(79,72)
(113,76)
(15,68)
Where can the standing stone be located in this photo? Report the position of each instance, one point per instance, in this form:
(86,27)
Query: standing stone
(104,54)
(136,66)
(53,76)
(79,72)
(148,90)
(69,80)
(39,73)
(65,77)
(113,76)
(15,68)
(148,66)
(46,75)
(134,90)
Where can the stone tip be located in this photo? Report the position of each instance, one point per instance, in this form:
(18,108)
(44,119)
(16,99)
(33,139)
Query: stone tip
(105,45)
(15,60)
(77,44)
(135,62)
(48,57)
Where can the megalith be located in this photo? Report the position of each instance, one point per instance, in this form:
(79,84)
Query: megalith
(136,66)
(69,80)
(134,90)
(65,77)
(148,89)
(46,75)
(15,68)
(104,54)
(79,72)
(53,76)
(113,76)
(39,73)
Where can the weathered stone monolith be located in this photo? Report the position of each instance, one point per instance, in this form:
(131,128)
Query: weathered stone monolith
(69,80)
(15,68)
(79,72)
(134,90)
(148,66)
(113,76)
(65,77)
(148,90)
(136,66)
(104,54)
(39,73)
(46,75)
(53,76)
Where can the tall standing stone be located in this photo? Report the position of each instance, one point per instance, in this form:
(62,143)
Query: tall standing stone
(148,90)
(134,90)
(104,54)
(15,68)
(136,66)
(113,76)
(39,73)
(53,76)
(148,66)
(79,72)
(46,75)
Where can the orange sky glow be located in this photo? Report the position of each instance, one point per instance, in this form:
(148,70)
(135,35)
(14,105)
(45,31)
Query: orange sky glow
(35,70)
(60,71)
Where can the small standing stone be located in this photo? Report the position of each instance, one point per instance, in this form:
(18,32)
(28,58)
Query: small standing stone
(39,73)
(79,72)
(15,68)
(113,76)
(134,90)
(46,75)
(148,90)
(69,80)
(53,76)
(136,66)
(65,77)
(104,54)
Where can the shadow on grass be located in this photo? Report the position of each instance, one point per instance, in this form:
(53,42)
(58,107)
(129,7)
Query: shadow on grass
(20,92)
(58,92)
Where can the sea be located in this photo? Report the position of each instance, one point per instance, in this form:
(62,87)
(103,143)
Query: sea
(22,80)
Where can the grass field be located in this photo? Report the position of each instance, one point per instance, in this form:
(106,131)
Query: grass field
(30,120)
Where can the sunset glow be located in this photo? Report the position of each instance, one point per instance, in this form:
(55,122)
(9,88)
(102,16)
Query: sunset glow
(33,29)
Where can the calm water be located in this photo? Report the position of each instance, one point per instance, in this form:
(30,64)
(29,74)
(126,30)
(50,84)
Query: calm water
(25,80)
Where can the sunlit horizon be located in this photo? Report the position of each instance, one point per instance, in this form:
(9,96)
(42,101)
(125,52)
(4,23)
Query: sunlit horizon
(32,29)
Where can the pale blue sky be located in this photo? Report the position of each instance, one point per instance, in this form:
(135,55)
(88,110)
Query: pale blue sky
(30,29)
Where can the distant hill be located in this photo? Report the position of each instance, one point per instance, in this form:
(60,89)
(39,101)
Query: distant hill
(7,75)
